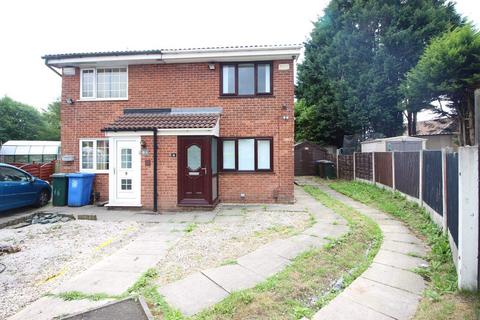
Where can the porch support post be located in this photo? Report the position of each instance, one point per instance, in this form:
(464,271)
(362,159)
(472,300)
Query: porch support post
(155,177)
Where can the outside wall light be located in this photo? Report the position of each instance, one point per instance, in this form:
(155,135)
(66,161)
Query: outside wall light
(211,66)
(69,101)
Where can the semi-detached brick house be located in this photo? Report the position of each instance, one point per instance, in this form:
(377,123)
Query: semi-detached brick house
(164,129)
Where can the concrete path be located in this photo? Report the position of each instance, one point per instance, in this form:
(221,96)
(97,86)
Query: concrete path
(388,289)
(113,275)
(208,287)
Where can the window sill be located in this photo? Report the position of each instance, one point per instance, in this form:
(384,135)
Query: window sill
(95,171)
(260,96)
(246,172)
(102,99)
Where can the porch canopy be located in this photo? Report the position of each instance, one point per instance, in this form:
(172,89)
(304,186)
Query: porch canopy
(168,121)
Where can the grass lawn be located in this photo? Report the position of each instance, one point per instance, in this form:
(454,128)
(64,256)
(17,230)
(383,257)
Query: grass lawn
(441,300)
(299,290)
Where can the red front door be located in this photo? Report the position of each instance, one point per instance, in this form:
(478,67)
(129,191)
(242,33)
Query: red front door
(194,176)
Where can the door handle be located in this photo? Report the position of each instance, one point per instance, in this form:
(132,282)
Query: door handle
(205,170)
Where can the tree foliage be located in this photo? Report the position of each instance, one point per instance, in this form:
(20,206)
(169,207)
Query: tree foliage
(359,52)
(19,121)
(449,72)
(52,120)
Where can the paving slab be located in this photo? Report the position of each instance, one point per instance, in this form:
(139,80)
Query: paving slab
(395,277)
(128,263)
(286,248)
(327,230)
(192,294)
(145,247)
(405,248)
(263,262)
(100,281)
(310,241)
(342,308)
(393,302)
(233,277)
(396,229)
(402,237)
(398,260)
(47,308)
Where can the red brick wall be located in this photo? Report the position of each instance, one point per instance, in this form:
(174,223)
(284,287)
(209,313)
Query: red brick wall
(190,85)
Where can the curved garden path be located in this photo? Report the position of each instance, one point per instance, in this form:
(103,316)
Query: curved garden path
(388,289)
(203,289)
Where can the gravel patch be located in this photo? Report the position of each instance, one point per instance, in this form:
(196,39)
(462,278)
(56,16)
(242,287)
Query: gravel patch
(224,240)
(53,253)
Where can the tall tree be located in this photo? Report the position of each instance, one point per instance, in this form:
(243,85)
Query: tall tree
(358,54)
(19,121)
(52,120)
(448,73)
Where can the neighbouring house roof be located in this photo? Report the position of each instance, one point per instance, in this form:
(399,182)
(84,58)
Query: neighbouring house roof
(149,119)
(185,55)
(398,138)
(441,126)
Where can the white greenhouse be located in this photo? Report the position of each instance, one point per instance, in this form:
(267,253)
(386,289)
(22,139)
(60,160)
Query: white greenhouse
(21,151)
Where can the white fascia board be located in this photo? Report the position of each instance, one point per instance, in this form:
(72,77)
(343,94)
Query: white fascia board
(182,57)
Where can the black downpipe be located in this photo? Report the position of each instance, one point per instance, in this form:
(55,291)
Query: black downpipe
(155,149)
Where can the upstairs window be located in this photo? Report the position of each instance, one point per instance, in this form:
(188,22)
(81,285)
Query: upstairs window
(104,83)
(246,79)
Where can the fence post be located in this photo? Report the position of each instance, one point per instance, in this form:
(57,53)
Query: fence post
(393,170)
(444,191)
(338,170)
(468,222)
(373,169)
(420,178)
(354,168)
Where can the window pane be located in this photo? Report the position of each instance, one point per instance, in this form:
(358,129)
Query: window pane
(87,83)
(126,159)
(246,154)
(228,77)
(263,154)
(112,83)
(102,154)
(229,154)
(194,155)
(36,158)
(246,79)
(126,184)
(87,154)
(214,155)
(263,81)
(9,174)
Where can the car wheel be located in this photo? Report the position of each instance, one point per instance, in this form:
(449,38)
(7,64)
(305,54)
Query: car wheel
(43,198)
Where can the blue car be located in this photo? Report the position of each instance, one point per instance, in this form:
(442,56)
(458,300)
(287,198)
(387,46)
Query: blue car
(20,189)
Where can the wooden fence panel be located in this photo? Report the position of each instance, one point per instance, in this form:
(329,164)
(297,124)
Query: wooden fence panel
(407,177)
(452,195)
(383,168)
(432,180)
(39,170)
(306,155)
(363,166)
(345,167)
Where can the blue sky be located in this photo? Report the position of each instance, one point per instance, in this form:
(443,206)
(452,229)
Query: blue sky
(33,28)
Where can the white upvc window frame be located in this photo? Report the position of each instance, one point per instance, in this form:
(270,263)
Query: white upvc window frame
(95,140)
(94,98)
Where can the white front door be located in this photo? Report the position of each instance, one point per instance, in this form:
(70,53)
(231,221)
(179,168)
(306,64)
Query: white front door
(125,173)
